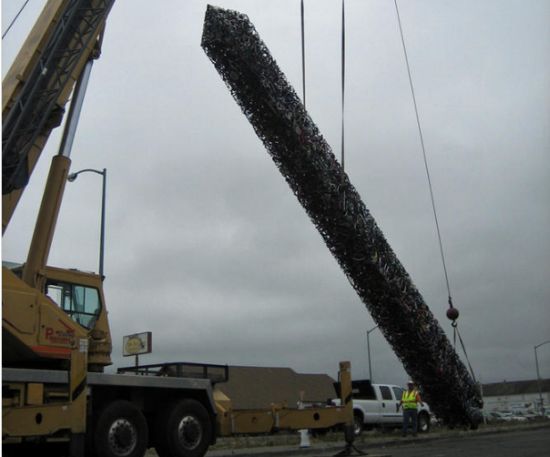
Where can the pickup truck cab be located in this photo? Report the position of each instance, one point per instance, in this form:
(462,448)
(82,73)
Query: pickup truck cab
(376,405)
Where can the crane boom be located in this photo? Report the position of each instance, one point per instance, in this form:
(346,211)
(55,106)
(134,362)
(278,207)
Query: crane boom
(39,83)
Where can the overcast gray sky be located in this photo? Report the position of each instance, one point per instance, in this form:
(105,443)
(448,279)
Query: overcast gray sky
(208,248)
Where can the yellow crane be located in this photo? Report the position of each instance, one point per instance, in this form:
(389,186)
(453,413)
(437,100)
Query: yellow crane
(55,332)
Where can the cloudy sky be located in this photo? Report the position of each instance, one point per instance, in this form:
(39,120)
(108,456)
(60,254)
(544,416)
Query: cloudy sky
(208,248)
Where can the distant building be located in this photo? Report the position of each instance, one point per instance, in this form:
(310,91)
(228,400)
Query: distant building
(516,395)
(259,387)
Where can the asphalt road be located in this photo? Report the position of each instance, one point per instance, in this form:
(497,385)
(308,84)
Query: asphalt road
(524,442)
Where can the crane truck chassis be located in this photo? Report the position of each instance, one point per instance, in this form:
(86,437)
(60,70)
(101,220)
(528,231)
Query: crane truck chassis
(55,332)
(173,407)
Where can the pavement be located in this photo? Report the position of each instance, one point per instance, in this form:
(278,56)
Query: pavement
(365,442)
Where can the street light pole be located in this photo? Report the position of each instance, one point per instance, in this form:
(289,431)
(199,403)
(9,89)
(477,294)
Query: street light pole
(102,231)
(103,173)
(538,375)
(368,350)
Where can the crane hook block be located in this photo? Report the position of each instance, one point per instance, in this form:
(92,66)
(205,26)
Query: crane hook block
(452,314)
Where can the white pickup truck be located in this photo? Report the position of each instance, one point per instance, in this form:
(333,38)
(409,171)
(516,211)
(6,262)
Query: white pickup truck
(375,405)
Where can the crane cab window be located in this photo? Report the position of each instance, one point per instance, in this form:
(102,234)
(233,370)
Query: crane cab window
(80,302)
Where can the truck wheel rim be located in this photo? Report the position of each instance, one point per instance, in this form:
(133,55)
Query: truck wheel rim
(122,437)
(189,432)
(423,424)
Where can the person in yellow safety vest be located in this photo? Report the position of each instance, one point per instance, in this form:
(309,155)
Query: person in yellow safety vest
(409,400)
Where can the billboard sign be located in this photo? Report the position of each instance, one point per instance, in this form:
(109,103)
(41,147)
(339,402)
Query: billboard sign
(138,343)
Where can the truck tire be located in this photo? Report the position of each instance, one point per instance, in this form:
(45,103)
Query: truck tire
(423,422)
(183,430)
(358,424)
(120,431)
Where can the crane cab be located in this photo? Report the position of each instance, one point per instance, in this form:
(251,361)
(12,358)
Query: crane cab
(77,294)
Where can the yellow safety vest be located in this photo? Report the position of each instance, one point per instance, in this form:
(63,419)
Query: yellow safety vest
(409,399)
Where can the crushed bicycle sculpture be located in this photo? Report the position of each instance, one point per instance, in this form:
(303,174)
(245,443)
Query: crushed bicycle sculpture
(334,206)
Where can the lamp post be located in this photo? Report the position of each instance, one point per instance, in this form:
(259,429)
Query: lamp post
(368,350)
(538,375)
(103,173)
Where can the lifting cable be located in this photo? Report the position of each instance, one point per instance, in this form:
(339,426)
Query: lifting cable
(15,19)
(455,333)
(343,75)
(343,69)
(452,312)
(303,54)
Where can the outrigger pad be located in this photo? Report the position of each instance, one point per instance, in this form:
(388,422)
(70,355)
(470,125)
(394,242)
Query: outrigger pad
(334,206)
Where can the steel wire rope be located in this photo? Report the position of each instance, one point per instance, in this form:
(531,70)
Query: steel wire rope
(424,154)
(455,333)
(343,70)
(15,19)
(303,53)
(343,77)
(454,324)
